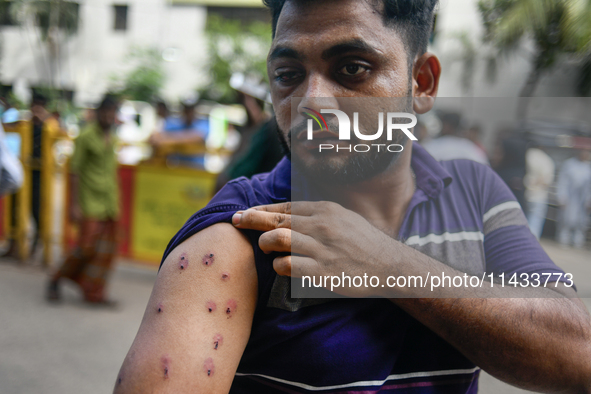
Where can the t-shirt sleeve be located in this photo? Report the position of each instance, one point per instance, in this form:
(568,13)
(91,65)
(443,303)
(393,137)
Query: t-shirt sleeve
(230,199)
(235,196)
(509,245)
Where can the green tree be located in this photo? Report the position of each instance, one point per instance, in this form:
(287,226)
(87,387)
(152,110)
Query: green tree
(556,28)
(234,47)
(51,17)
(146,77)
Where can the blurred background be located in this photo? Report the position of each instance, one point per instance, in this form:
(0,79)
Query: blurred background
(193,111)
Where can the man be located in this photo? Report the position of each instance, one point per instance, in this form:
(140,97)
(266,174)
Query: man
(94,205)
(44,130)
(220,318)
(538,179)
(574,197)
(449,145)
(185,130)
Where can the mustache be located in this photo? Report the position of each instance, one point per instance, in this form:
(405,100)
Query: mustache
(302,128)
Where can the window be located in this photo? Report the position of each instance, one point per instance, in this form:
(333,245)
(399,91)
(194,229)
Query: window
(120,17)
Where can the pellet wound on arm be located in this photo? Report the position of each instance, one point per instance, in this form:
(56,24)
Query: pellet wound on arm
(208,259)
(231,307)
(211,307)
(183,261)
(165,361)
(208,367)
(218,340)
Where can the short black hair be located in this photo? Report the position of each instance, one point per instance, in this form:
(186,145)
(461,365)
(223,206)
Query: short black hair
(38,99)
(413,18)
(108,102)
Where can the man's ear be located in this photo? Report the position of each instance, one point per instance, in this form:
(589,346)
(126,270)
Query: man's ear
(425,80)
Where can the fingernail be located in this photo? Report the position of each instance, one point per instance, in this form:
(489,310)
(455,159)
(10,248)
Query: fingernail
(236,218)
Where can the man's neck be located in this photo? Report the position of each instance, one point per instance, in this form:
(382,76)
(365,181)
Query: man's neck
(382,200)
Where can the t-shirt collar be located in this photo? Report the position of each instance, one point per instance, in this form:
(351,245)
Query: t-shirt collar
(431,177)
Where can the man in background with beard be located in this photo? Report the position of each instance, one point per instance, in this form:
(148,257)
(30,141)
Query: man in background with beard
(221,317)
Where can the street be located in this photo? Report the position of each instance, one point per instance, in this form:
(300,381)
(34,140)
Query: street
(71,348)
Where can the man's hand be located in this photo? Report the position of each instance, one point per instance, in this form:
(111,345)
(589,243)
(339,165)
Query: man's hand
(325,239)
(517,338)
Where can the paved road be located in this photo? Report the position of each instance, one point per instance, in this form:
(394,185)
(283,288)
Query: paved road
(72,348)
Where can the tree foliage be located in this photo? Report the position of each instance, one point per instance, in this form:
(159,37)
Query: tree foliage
(234,46)
(555,27)
(145,78)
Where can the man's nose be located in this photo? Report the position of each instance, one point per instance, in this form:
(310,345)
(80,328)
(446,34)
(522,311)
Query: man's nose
(318,93)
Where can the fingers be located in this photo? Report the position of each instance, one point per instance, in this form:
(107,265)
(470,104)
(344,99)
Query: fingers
(300,208)
(278,240)
(284,240)
(295,266)
(279,208)
(261,220)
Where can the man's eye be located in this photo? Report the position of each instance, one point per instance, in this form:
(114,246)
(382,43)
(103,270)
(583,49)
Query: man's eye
(287,76)
(353,70)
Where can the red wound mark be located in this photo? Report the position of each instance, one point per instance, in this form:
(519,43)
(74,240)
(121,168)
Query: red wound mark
(165,360)
(225,276)
(231,307)
(160,308)
(208,367)
(208,259)
(218,340)
(210,306)
(183,261)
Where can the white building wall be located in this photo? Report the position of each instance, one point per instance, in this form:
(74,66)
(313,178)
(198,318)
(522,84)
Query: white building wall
(96,52)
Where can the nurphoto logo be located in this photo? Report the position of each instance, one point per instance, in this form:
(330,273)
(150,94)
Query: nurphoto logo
(392,125)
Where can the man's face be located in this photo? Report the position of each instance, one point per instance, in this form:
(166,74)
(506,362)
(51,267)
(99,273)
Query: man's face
(329,49)
(189,114)
(107,116)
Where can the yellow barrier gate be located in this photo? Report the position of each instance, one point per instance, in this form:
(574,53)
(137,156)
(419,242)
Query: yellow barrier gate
(18,231)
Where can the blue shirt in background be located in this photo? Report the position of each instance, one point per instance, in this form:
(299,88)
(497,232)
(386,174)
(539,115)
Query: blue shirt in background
(199,126)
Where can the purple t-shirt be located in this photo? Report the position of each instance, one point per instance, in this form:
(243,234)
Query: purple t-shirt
(461,214)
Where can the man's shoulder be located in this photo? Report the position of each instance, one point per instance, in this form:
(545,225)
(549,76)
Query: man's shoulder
(237,195)
(88,132)
(477,183)
(469,171)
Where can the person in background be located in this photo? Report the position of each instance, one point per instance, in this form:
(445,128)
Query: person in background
(162,116)
(11,169)
(449,145)
(538,179)
(188,129)
(94,204)
(44,126)
(574,198)
(8,114)
(262,155)
(259,150)
(509,163)
(474,134)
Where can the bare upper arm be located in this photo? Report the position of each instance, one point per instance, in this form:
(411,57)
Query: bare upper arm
(198,319)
